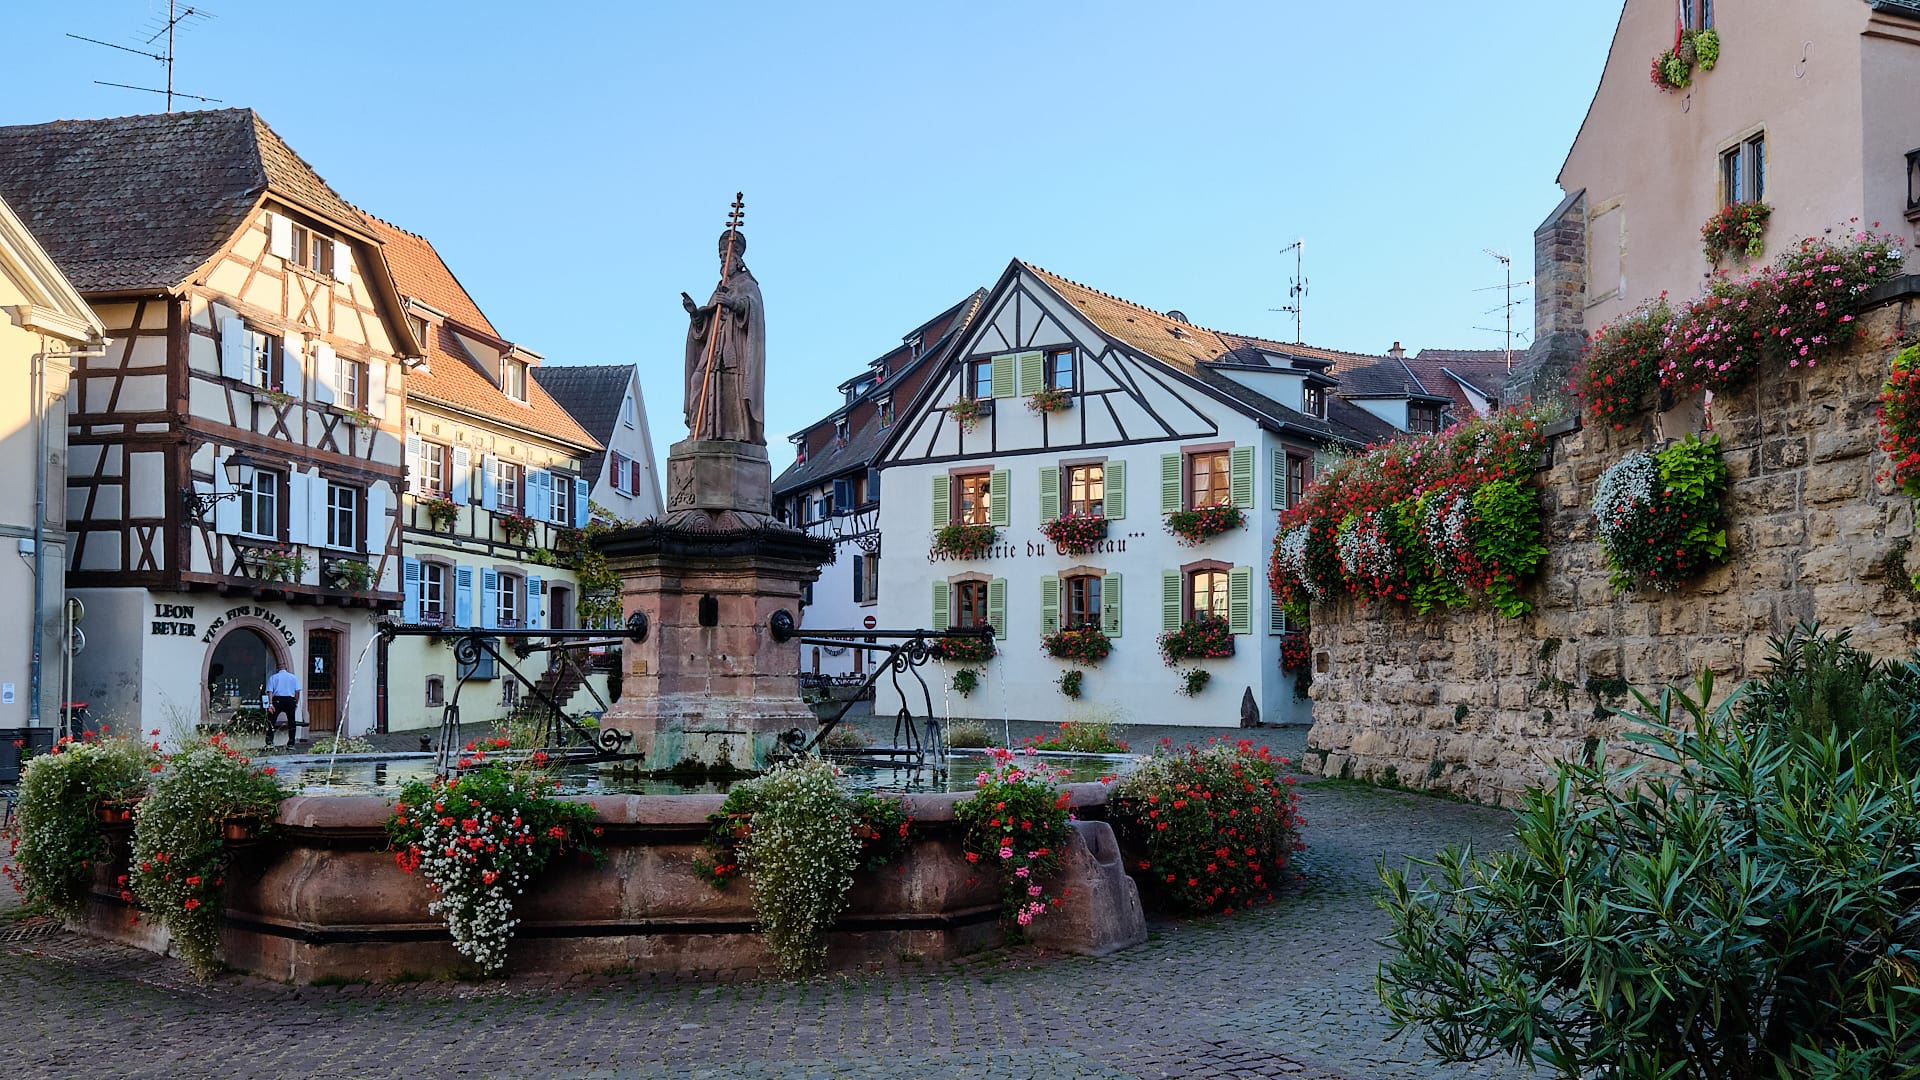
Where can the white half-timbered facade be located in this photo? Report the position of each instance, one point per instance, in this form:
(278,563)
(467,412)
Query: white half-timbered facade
(1159,416)
(252,315)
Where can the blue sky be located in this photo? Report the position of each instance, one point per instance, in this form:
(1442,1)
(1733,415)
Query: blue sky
(573,162)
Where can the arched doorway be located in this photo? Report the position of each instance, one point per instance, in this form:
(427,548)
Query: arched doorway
(237,670)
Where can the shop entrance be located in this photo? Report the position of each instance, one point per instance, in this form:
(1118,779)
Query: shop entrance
(323,663)
(237,673)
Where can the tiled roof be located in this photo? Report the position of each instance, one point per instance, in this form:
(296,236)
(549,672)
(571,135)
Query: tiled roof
(453,375)
(1383,376)
(1483,369)
(140,202)
(592,393)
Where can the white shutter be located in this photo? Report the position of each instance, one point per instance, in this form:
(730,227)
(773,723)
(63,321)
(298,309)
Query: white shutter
(342,262)
(235,347)
(291,380)
(376,510)
(489,491)
(226,512)
(280,235)
(298,519)
(413,463)
(535,609)
(325,374)
(316,509)
(462,475)
(376,402)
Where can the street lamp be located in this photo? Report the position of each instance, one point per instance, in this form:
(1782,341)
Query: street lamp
(239,469)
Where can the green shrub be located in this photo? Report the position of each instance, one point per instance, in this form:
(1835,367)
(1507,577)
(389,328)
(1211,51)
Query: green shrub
(57,816)
(968,735)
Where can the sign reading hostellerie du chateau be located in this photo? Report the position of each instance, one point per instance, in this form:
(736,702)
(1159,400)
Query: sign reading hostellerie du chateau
(1031,550)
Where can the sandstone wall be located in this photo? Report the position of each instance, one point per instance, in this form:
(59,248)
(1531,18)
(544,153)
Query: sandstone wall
(1480,706)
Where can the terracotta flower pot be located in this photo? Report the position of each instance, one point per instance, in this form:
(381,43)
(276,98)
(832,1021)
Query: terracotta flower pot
(240,830)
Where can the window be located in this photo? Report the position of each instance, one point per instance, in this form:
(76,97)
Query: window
(870,570)
(626,410)
(886,412)
(260,505)
(436,691)
(506,482)
(349,383)
(265,355)
(513,378)
(1423,419)
(799,453)
(1299,475)
(1208,479)
(914,345)
(1313,401)
(980,380)
(506,600)
(433,468)
(1060,369)
(433,593)
(311,251)
(343,516)
(840,430)
(969,604)
(975,505)
(1207,593)
(510,692)
(1082,609)
(1086,489)
(1696,14)
(562,499)
(1743,172)
(420,329)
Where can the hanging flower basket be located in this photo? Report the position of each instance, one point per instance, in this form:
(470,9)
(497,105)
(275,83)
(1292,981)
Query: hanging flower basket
(964,541)
(1051,400)
(967,411)
(1739,228)
(1075,534)
(1196,526)
(1087,644)
(1203,637)
(1673,69)
(1070,683)
(1194,680)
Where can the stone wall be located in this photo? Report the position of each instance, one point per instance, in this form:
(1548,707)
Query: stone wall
(1480,706)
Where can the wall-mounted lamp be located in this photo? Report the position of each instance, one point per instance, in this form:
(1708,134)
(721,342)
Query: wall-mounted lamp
(239,468)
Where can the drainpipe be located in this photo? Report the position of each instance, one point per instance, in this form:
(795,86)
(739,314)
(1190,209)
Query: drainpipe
(37,382)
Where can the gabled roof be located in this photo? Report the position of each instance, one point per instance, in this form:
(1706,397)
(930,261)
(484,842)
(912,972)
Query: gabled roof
(138,203)
(454,375)
(592,393)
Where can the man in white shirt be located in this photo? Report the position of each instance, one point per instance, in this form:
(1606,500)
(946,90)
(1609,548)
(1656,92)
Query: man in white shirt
(284,688)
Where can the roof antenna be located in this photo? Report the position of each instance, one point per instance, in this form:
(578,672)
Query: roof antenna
(1506,262)
(1298,291)
(176,20)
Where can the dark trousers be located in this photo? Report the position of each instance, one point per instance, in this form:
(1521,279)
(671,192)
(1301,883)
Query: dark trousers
(289,707)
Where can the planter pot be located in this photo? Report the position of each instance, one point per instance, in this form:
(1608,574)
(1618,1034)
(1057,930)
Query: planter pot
(240,830)
(117,813)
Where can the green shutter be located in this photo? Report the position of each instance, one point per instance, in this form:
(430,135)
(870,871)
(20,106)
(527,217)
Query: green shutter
(1033,372)
(1116,477)
(1240,600)
(997,606)
(942,606)
(1240,477)
(997,508)
(1110,605)
(1049,605)
(1169,599)
(1049,492)
(942,501)
(1169,483)
(1003,375)
(1279,479)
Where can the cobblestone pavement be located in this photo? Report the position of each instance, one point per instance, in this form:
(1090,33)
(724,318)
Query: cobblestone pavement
(1285,990)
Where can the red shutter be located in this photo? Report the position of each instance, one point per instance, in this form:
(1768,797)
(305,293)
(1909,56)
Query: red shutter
(618,470)
(633,488)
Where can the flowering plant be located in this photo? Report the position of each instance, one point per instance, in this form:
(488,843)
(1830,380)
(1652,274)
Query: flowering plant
(1900,420)
(479,837)
(1070,683)
(1086,644)
(962,541)
(64,795)
(1018,824)
(1208,828)
(1204,637)
(353,575)
(1659,514)
(1075,534)
(1194,526)
(441,512)
(1671,72)
(1080,737)
(361,418)
(1621,365)
(275,394)
(1296,652)
(517,527)
(278,563)
(1194,680)
(1050,400)
(179,860)
(966,681)
(1736,227)
(1673,69)
(967,411)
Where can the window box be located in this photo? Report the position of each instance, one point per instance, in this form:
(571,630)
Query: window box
(1197,526)
(1050,400)
(1203,637)
(1076,534)
(965,541)
(350,575)
(441,513)
(517,527)
(272,395)
(968,411)
(976,650)
(1086,645)
(280,563)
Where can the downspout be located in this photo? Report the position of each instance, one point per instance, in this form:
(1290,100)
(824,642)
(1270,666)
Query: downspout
(37,382)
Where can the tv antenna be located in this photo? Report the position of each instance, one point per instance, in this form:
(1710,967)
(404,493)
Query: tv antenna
(1506,263)
(177,20)
(1297,290)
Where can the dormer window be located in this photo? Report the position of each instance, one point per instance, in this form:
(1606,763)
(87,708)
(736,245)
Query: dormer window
(420,329)
(1313,402)
(311,251)
(840,429)
(914,345)
(886,412)
(1423,419)
(800,453)
(513,378)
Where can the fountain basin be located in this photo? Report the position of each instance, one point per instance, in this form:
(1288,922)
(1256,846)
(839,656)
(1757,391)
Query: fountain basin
(322,899)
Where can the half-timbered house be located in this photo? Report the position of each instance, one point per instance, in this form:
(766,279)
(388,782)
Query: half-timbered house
(1065,401)
(496,496)
(607,401)
(236,454)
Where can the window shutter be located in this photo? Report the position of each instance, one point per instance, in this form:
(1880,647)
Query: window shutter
(539,495)
(376,402)
(489,597)
(299,518)
(317,488)
(1049,492)
(859,580)
(843,494)
(342,263)
(873,485)
(226,512)
(463,596)
(617,465)
(1110,605)
(461,482)
(375,508)
(235,347)
(489,489)
(1003,384)
(1240,477)
(1169,483)
(413,463)
(1276,615)
(582,506)
(942,501)
(633,476)
(1049,605)
(997,606)
(1170,600)
(1116,480)
(325,374)
(1279,497)
(536,609)
(410,589)
(292,365)
(942,606)
(280,235)
(1033,373)
(998,512)
(1240,600)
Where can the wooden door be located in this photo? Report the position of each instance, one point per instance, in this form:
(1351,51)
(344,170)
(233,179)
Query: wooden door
(323,659)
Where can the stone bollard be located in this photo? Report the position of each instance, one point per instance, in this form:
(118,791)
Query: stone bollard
(1101,912)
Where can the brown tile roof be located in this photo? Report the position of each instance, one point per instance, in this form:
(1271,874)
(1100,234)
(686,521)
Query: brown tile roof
(140,202)
(454,375)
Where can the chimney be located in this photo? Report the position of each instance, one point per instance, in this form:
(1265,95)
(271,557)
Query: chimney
(1397,352)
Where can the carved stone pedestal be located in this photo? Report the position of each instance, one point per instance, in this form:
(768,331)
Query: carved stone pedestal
(719,483)
(710,683)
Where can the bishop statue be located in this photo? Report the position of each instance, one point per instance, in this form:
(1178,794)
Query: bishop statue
(727,351)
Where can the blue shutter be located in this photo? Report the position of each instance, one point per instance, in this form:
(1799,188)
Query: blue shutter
(536,612)
(489,491)
(581,491)
(410,588)
(489,597)
(843,494)
(460,483)
(463,596)
(873,485)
